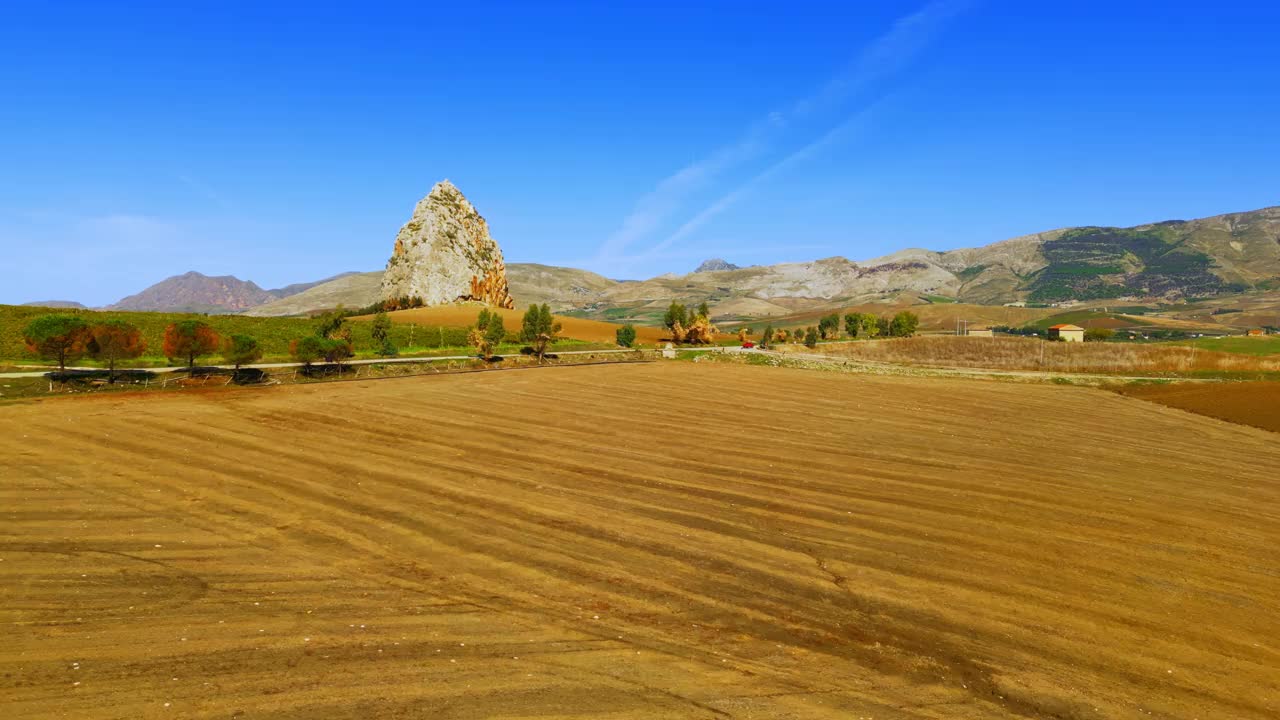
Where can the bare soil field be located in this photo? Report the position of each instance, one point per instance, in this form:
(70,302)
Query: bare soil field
(577,328)
(1011,353)
(1255,403)
(562,543)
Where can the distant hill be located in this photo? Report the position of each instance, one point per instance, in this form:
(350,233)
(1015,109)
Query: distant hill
(294,289)
(1216,256)
(353,290)
(199,293)
(715,264)
(194,292)
(529,283)
(64,304)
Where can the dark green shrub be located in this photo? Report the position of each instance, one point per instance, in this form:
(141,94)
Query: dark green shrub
(626,336)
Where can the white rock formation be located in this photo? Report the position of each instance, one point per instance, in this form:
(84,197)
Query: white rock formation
(444,255)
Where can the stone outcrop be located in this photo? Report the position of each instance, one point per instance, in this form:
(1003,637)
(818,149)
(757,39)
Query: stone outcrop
(716,265)
(444,254)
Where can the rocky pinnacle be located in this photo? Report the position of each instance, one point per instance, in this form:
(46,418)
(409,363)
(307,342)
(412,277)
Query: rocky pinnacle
(444,254)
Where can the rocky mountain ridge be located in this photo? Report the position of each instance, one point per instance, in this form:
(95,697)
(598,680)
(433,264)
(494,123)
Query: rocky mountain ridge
(196,292)
(1219,255)
(715,264)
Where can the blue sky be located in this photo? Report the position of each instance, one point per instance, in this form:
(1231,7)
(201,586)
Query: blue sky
(286,142)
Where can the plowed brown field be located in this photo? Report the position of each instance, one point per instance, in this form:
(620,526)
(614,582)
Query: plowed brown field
(1250,403)
(562,544)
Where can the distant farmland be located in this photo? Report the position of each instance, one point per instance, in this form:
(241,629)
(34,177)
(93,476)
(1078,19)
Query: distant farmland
(1009,353)
(569,543)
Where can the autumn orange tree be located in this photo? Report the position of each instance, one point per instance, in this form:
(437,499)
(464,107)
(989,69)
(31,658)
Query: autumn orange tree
(113,341)
(189,339)
(58,337)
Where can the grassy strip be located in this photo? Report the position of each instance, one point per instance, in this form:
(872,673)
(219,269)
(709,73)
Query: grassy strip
(273,334)
(142,381)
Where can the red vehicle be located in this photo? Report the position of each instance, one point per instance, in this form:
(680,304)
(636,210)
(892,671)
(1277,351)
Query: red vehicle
(748,344)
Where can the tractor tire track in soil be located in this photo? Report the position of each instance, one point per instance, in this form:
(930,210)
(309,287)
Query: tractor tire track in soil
(623,542)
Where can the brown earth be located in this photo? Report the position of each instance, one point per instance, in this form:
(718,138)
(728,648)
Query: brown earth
(560,544)
(575,328)
(1249,403)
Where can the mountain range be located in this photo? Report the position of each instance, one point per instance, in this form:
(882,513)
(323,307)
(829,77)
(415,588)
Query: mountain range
(198,293)
(1171,260)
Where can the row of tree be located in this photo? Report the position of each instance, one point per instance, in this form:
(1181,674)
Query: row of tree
(66,338)
(538,328)
(903,324)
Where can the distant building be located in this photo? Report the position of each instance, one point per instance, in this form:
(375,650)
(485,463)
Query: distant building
(1020,303)
(1256,332)
(1068,332)
(981,332)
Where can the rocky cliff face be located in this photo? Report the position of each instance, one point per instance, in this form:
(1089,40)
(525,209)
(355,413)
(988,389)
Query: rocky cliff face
(444,255)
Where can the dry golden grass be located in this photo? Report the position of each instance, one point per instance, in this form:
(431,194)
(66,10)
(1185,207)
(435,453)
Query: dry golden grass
(1003,353)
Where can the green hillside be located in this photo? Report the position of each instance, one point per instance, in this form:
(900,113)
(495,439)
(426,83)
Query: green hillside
(1093,263)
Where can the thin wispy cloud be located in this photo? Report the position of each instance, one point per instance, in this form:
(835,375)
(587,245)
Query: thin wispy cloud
(728,199)
(882,58)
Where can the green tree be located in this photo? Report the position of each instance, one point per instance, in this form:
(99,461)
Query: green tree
(811,338)
(546,321)
(338,349)
(494,332)
(676,315)
(381,334)
(113,341)
(904,324)
(704,311)
(626,336)
(829,326)
(58,337)
(312,348)
(530,323)
(1098,334)
(331,323)
(548,331)
(487,333)
(883,327)
(241,350)
(766,337)
(307,350)
(852,324)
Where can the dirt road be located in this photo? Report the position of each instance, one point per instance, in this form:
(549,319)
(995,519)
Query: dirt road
(565,544)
